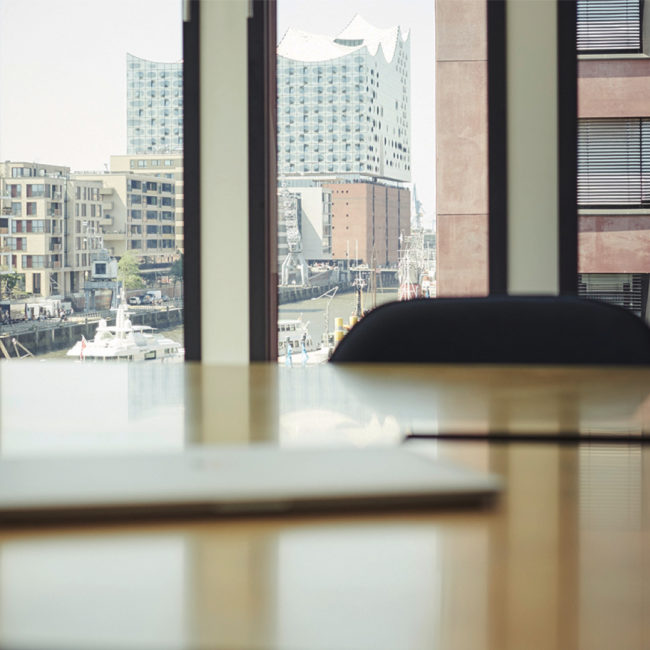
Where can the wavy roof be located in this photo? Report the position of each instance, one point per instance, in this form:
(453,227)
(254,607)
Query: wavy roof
(303,46)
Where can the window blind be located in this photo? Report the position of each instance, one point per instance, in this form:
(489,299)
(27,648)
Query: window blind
(624,289)
(613,162)
(609,25)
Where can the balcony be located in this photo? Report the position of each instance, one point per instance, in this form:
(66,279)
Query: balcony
(112,235)
(107,205)
(105,191)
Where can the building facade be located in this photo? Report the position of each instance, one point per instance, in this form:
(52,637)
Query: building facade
(50,226)
(368,220)
(138,215)
(154,106)
(160,166)
(461,148)
(344,118)
(344,103)
(613,150)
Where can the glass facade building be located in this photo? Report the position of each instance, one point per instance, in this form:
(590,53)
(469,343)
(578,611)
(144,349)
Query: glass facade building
(344,103)
(154,106)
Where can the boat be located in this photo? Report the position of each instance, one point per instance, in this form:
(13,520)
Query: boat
(125,341)
(296,346)
(415,269)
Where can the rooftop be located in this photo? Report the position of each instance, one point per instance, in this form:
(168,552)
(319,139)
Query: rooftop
(304,46)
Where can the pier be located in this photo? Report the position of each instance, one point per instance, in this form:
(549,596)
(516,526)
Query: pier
(40,337)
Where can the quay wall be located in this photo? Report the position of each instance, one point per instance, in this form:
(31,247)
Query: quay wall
(45,337)
(296,294)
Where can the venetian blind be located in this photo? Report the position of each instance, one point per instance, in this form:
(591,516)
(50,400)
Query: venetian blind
(613,162)
(609,25)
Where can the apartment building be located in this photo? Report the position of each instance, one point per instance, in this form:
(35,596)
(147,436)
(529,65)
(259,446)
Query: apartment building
(50,226)
(344,118)
(613,150)
(138,215)
(160,166)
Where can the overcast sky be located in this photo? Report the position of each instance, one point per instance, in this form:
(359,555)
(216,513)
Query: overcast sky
(63,71)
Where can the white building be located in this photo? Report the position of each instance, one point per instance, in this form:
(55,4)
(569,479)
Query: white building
(344,103)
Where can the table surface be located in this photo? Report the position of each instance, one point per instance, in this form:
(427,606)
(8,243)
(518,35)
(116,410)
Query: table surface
(561,560)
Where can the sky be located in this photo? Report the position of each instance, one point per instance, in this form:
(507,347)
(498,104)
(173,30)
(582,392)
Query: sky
(63,71)
(63,74)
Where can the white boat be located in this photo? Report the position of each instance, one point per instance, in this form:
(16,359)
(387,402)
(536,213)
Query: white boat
(126,342)
(295,345)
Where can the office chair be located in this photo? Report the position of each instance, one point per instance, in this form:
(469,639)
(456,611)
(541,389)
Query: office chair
(498,329)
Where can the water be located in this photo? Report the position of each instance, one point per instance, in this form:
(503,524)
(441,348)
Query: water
(312,311)
(341,306)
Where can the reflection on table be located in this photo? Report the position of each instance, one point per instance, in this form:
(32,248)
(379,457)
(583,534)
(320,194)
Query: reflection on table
(562,560)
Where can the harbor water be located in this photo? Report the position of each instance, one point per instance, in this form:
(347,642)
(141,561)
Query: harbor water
(315,310)
(311,311)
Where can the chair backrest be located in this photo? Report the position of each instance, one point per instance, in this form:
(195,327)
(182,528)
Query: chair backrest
(499,329)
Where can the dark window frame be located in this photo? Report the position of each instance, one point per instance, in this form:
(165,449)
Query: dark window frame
(262,166)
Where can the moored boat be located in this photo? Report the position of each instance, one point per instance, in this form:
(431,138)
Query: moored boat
(126,342)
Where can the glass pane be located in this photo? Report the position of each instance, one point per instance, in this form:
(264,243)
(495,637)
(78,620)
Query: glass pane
(613,153)
(357,151)
(91,233)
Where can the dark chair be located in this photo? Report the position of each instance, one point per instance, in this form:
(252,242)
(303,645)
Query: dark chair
(500,329)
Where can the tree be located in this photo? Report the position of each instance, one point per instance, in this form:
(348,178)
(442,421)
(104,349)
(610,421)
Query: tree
(10,283)
(176,272)
(128,272)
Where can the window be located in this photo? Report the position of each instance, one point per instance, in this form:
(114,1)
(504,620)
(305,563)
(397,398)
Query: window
(609,26)
(22,133)
(38,190)
(614,162)
(613,155)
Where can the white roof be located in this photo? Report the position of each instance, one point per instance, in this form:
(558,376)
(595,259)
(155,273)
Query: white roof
(303,46)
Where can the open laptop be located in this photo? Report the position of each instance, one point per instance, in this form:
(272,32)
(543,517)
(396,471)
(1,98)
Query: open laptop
(216,481)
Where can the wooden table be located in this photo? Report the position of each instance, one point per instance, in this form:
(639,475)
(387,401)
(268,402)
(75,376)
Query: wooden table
(561,561)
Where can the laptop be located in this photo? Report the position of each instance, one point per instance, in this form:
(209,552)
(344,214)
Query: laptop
(237,480)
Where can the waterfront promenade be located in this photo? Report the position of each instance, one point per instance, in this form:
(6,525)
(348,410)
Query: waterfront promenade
(41,336)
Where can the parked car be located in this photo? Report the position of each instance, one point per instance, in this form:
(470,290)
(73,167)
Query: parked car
(135,300)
